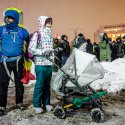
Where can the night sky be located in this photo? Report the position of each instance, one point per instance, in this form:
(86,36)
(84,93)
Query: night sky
(68,15)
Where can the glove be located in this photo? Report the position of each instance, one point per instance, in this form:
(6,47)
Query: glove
(60,49)
(48,53)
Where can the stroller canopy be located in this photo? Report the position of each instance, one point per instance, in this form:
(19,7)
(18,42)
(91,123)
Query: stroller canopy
(84,67)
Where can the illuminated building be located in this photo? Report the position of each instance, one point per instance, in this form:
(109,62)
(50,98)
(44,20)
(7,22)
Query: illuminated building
(113,31)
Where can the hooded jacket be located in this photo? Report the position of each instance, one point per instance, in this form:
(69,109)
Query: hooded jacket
(45,43)
(12,36)
(105,51)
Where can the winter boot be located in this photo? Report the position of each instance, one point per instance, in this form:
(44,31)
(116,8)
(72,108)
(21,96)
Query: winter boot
(38,110)
(2,111)
(20,106)
(49,108)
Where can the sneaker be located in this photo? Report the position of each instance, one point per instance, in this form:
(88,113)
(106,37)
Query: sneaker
(38,110)
(2,111)
(20,106)
(49,108)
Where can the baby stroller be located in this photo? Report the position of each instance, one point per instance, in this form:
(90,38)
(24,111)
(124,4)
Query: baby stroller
(72,83)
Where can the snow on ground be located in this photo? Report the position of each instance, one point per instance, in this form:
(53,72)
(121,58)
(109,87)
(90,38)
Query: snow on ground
(114,79)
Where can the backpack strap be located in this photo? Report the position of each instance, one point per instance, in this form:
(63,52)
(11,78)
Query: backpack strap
(20,33)
(5,65)
(39,36)
(38,40)
(3,32)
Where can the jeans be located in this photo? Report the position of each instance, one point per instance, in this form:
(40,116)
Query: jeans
(64,59)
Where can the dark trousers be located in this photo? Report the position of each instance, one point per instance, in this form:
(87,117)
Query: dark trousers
(4,82)
(64,59)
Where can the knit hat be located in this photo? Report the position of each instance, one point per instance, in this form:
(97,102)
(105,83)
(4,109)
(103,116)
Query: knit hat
(80,34)
(63,36)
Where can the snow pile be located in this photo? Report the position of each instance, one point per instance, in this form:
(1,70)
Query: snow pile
(114,79)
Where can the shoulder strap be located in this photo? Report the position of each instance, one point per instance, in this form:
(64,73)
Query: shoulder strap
(20,33)
(3,31)
(19,29)
(39,36)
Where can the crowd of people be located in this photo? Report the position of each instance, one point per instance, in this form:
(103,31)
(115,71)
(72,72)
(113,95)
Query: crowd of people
(41,46)
(105,50)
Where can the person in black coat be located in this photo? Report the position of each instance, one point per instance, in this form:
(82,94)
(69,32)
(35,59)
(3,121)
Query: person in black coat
(119,47)
(64,44)
(57,54)
(89,46)
(114,51)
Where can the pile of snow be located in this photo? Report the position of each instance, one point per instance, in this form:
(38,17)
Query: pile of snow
(114,79)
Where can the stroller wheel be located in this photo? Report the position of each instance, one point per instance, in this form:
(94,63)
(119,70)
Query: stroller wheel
(59,112)
(97,115)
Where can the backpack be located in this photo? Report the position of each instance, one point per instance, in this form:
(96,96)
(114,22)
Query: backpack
(31,57)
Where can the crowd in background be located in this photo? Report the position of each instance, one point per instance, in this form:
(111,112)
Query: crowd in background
(106,50)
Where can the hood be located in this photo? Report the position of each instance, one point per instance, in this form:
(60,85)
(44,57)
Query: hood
(101,36)
(13,14)
(42,20)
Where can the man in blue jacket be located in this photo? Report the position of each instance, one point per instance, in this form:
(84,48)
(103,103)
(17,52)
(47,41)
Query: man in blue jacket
(11,58)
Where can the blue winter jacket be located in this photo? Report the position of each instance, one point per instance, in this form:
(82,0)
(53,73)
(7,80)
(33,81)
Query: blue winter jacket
(12,36)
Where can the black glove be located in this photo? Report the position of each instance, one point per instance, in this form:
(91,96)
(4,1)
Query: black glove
(48,53)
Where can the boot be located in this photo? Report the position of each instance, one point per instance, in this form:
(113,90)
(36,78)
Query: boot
(20,106)
(2,111)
